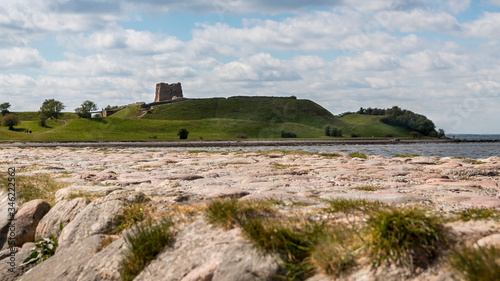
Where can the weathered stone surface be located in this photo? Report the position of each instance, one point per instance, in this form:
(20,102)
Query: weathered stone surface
(187,177)
(106,264)
(202,252)
(27,219)
(7,260)
(483,202)
(63,212)
(384,197)
(490,241)
(97,176)
(84,190)
(98,217)
(68,263)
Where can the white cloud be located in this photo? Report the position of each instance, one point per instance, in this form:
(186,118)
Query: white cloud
(20,58)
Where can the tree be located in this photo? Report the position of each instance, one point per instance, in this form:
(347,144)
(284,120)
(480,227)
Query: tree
(183,134)
(51,109)
(440,133)
(10,120)
(85,109)
(4,107)
(327,130)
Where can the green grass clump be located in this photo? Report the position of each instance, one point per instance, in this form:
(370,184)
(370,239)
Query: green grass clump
(337,251)
(406,237)
(478,214)
(407,155)
(132,215)
(358,154)
(368,188)
(229,213)
(39,186)
(293,242)
(145,243)
(350,206)
(476,264)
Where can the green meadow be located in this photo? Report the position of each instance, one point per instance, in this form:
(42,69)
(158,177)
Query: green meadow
(208,119)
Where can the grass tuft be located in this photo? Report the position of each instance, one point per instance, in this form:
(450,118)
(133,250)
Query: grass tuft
(132,215)
(476,264)
(358,155)
(146,241)
(229,213)
(349,206)
(337,251)
(39,186)
(478,214)
(407,155)
(406,237)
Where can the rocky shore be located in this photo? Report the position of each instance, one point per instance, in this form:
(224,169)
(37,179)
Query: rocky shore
(96,186)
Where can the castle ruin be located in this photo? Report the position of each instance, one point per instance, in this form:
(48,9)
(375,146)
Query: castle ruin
(166,92)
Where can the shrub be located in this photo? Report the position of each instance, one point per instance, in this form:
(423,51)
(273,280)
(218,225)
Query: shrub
(327,130)
(404,236)
(10,120)
(44,249)
(416,135)
(389,135)
(242,136)
(288,135)
(183,134)
(476,264)
(354,135)
(42,122)
(478,214)
(145,243)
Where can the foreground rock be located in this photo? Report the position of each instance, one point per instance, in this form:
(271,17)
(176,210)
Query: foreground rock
(27,219)
(99,217)
(67,264)
(60,215)
(202,252)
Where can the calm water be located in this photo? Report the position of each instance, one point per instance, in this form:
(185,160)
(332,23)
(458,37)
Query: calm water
(456,149)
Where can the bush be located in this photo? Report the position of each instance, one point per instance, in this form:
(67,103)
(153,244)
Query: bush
(288,135)
(10,120)
(405,236)
(242,136)
(416,135)
(42,122)
(183,134)
(354,135)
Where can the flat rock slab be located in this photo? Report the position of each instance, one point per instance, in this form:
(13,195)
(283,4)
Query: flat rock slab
(21,254)
(383,197)
(82,190)
(482,203)
(202,252)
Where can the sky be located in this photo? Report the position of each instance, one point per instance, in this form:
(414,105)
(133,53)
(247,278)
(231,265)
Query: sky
(438,58)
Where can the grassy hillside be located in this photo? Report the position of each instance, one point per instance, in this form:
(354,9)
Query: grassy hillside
(261,109)
(109,129)
(370,125)
(250,117)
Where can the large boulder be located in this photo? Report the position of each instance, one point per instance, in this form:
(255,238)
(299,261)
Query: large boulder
(27,219)
(99,217)
(203,252)
(62,213)
(67,264)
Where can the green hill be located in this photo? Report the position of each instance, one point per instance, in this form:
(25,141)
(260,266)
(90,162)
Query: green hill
(261,109)
(210,119)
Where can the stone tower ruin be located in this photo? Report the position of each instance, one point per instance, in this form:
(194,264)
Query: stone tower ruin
(166,92)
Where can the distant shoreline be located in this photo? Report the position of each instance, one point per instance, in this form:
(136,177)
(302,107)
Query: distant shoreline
(228,143)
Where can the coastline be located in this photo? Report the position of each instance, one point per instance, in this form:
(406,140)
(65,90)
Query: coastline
(228,143)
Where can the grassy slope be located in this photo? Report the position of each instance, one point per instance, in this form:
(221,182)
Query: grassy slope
(128,112)
(370,125)
(262,109)
(207,119)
